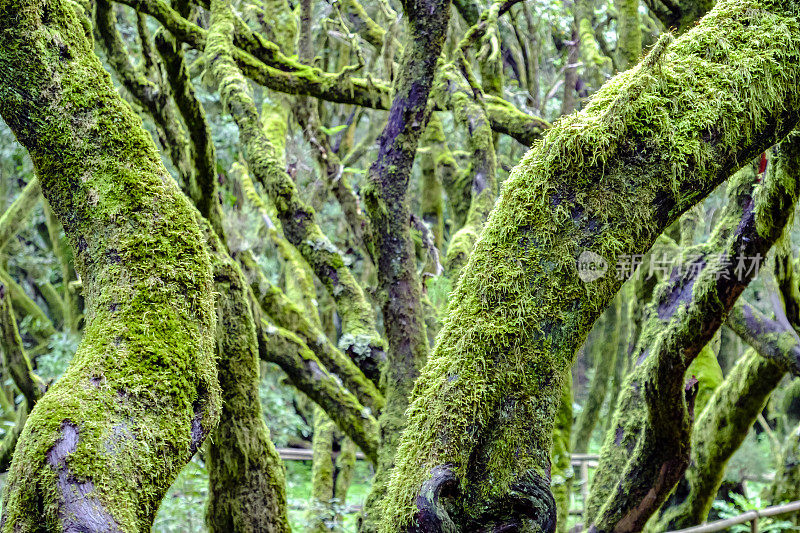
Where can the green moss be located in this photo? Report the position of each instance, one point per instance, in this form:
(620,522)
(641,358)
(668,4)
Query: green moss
(718,432)
(647,449)
(298,219)
(321,513)
(288,315)
(629,34)
(652,142)
(706,370)
(282,347)
(141,392)
(562,474)
(602,344)
(480,179)
(15,359)
(18,211)
(432,201)
(246,476)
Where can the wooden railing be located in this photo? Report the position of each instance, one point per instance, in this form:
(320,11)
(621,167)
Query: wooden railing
(749,516)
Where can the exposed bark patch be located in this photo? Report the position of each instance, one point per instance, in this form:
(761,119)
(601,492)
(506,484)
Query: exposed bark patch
(119,434)
(479,183)
(79,511)
(680,290)
(316,371)
(432,516)
(529,501)
(198,433)
(113,255)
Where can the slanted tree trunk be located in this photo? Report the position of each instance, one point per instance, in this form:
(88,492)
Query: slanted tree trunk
(101,448)
(604,181)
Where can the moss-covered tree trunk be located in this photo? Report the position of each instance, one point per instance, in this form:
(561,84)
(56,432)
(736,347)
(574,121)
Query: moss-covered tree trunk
(629,35)
(17,366)
(784,487)
(388,207)
(246,477)
(100,449)
(361,340)
(716,435)
(646,451)
(432,192)
(481,175)
(320,515)
(604,181)
(621,362)
(562,473)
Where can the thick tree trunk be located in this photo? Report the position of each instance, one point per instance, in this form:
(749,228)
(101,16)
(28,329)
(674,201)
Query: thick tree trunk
(100,449)
(604,181)
(388,206)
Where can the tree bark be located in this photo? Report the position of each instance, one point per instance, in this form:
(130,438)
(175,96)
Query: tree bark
(246,477)
(388,207)
(605,181)
(102,447)
(647,449)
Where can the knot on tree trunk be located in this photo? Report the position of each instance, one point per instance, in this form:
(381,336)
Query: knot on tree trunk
(432,516)
(528,505)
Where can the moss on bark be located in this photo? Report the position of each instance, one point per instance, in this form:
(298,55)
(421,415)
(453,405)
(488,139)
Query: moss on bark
(259,61)
(321,516)
(470,114)
(647,449)
(607,180)
(629,35)
(432,191)
(361,340)
(562,474)
(246,477)
(141,392)
(285,349)
(717,434)
(388,207)
(603,352)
